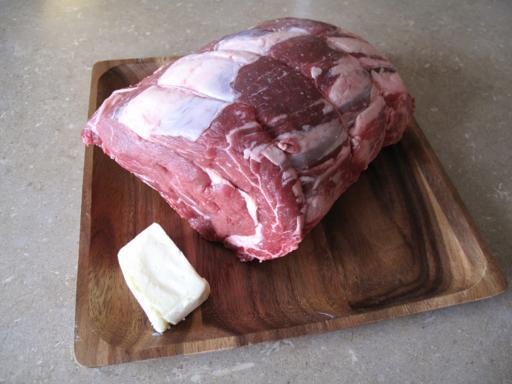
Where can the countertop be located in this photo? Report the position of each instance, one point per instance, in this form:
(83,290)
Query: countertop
(455,58)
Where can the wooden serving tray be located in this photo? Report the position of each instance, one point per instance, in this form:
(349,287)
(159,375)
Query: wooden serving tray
(398,242)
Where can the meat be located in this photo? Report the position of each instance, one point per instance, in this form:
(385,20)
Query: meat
(254,137)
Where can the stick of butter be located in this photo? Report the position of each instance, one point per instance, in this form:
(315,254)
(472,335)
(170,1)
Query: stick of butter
(160,277)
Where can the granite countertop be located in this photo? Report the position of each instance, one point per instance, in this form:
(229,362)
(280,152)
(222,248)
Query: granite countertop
(455,58)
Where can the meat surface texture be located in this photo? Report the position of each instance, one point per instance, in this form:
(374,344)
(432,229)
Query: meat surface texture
(254,137)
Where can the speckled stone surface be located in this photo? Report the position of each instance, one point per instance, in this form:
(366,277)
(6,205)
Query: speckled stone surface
(455,58)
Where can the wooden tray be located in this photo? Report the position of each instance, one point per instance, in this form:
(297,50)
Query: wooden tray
(398,242)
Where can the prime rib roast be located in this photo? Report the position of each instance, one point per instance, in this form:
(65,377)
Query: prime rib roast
(253,137)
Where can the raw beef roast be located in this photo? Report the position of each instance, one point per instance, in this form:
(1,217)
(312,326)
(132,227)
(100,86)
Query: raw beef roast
(253,137)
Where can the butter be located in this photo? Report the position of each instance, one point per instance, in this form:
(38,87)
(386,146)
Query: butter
(160,277)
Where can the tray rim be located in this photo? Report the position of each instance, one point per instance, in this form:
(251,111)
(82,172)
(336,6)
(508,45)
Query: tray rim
(492,280)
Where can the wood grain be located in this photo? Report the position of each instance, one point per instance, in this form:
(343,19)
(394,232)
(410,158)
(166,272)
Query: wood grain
(398,242)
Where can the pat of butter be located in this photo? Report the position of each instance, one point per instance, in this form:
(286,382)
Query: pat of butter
(160,277)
